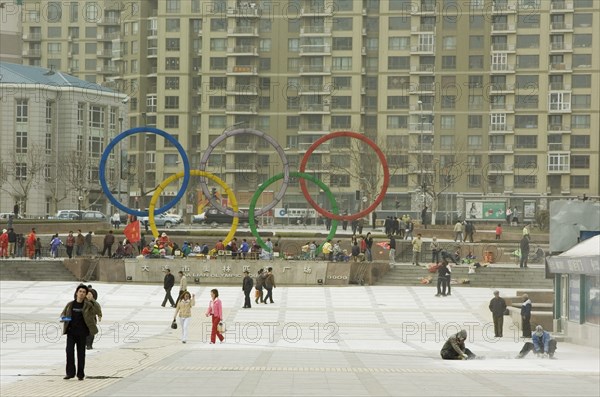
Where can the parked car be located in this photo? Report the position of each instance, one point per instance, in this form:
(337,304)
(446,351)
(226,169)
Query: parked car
(213,217)
(5,215)
(95,216)
(68,214)
(163,220)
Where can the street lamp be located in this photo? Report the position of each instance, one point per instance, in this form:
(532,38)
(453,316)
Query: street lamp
(423,184)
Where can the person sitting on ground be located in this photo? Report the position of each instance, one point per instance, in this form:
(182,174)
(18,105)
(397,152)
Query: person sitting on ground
(155,252)
(185,249)
(129,250)
(146,251)
(542,344)
(163,239)
(446,256)
(337,252)
(305,249)
(454,348)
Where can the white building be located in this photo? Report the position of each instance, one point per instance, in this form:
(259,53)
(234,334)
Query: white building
(53,130)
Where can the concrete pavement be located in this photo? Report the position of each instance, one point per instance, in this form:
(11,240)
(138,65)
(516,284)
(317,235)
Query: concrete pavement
(381,341)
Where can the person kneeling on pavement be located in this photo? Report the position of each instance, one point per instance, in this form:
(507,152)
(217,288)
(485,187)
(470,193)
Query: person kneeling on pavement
(544,345)
(454,348)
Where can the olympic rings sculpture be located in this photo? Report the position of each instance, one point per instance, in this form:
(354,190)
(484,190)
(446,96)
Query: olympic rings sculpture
(234,211)
(180,175)
(275,178)
(272,142)
(119,138)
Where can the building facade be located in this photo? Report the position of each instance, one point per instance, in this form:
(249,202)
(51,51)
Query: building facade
(10,32)
(484,98)
(54,128)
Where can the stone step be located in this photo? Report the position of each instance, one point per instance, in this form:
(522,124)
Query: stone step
(40,270)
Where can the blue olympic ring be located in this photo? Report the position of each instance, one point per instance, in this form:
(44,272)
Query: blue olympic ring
(125,134)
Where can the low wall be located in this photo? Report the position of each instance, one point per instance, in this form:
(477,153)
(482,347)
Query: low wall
(108,270)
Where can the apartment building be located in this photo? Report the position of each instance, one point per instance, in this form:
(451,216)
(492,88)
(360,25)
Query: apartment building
(468,99)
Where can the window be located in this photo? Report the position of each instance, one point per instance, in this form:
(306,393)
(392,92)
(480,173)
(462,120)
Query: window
(581,20)
(580,121)
(525,181)
(293,45)
(265,26)
(475,121)
(395,122)
(96,117)
(264,64)
(265,45)
(580,182)
(292,122)
(528,41)
(447,142)
(218,63)
(582,41)
(341,102)
(527,161)
(21,144)
(476,22)
(171,121)
(581,101)
(339,180)
(474,161)
(341,63)
(342,82)
(342,24)
(372,44)
(398,63)
(342,43)
(398,43)
(448,101)
(526,121)
(581,80)
(95,146)
(80,114)
(341,122)
(475,81)
(218,44)
(580,141)
(526,101)
(447,122)
(397,102)
(399,23)
(173,6)
(580,161)
(22,111)
(528,61)
(171,102)
(172,83)
(90,32)
(475,102)
(528,20)
(399,5)
(449,43)
(582,60)
(217,102)
(526,142)
(54,11)
(474,180)
(527,82)
(21,171)
(448,62)
(293,65)
(55,48)
(475,42)
(173,25)
(475,61)
(218,25)
(172,63)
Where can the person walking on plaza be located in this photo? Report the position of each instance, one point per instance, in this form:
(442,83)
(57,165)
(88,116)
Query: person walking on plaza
(88,243)
(168,283)
(260,282)
(12,241)
(269,285)
(38,248)
(542,344)
(515,216)
(369,247)
(469,231)
(524,247)
(392,250)
(435,250)
(458,231)
(79,321)
(508,216)
(526,230)
(92,295)
(526,316)
(442,280)
(327,251)
(247,284)
(70,243)
(54,244)
(424,217)
(184,309)
(79,243)
(4,244)
(416,248)
(109,240)
(116,220)
(498,231)
(215,309)
(454,348)
(498,307)
(182,286)
(410,226)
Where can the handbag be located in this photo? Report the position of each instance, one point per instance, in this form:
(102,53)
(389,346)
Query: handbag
(174,324)
(257,294)
(221,327)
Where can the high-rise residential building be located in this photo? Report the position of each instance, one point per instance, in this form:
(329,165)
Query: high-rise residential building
(469,100)
(10,31)
(53,130)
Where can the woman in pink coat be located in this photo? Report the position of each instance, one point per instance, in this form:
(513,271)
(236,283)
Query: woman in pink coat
(215,309)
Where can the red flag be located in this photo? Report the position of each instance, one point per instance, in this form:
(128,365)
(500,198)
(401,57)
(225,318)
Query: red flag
(132,232)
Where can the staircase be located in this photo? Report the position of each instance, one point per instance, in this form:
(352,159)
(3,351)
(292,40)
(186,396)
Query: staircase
(38,270)
(486,277)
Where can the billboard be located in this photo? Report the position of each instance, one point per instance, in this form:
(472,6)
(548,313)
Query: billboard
(485,210)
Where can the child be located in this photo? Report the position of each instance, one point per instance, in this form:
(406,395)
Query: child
(498,231)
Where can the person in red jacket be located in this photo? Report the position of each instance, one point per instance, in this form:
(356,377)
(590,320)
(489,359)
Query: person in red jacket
(4,244)
(215,309)
(30,242)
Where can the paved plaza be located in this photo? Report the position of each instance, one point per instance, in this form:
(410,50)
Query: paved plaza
(322,341)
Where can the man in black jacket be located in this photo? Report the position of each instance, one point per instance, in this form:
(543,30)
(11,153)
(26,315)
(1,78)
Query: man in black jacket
(497,307)
(247,285)
(454,348)
(442,281)
(168,284)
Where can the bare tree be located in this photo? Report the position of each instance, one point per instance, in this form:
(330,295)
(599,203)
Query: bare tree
(22,172)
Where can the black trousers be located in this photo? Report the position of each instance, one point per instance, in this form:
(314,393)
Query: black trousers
(247,298)
(528,346)
(442,282)
(72,341)
(260,295)
(89,341)
(526,325)
(269,295)
(523,260)
(498,325)
(107,247)
(168,297)
(453,355)
(70,251)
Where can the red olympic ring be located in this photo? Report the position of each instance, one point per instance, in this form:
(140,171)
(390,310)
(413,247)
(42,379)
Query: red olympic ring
(382,159)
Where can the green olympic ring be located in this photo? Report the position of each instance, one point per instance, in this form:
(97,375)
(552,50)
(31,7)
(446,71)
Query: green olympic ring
(277,177)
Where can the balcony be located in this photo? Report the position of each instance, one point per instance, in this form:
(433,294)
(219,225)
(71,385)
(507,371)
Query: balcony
(232,146)
(112,20)
(559,86)
(500,148)
(318,89)
(241,168)
(507,7)
(315,31)
(241,109)
(243,70)
(325,147)
(244,10)
(501,129)
(425,128)
(560,68)
(423,88)
(559,107)
(423,69)
(104,53)
(503,28)
(242,89)
(314,108)
(561,47)
(559,168)
(102,69)
(499,168)
(423,48)
(32,53)
(242,50)
(313,128)
(243,31)
(502,68)
(152,71)
(420,147)
(423,9)
(326,11)
(558,147)
(561,27)
(503,47)
(112,36)
(423,28)
(314,70)
(32,36)
(561,6)
(498,88)
(559,129)
(320,49)
(501,107)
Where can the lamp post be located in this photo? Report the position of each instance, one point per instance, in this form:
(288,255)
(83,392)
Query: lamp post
(122,175)
(423,184)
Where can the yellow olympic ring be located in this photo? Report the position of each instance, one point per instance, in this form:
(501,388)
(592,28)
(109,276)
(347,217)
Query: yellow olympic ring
(220,182)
